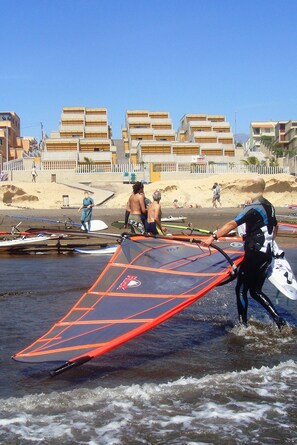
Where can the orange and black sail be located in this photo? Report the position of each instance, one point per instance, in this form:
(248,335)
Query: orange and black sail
(147,281)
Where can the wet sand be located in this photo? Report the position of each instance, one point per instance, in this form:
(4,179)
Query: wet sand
(203,218)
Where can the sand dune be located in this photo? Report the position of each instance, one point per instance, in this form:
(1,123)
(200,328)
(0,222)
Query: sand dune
(281,190)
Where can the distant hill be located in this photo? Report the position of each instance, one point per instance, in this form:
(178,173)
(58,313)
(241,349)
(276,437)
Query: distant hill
(241,137)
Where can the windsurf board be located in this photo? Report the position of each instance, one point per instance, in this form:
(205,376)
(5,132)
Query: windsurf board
(22,241)
(173,218)
(281,276)
(96,224)
(108,250)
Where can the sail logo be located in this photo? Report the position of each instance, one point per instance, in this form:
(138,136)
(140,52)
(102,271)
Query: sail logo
(129,281)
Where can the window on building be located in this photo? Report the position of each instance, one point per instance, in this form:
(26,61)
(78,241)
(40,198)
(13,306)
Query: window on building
(256,131)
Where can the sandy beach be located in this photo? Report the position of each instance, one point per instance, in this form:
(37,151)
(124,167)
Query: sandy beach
(281,190)
(194,196)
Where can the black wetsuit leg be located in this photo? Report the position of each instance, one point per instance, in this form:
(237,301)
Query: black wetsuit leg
(256,265)
(127,213)
(241,295)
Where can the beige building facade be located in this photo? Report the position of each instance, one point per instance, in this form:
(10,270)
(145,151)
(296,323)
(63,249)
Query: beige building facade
(286,135)
(212,133)
(84,137)
(149,136)
(9,135)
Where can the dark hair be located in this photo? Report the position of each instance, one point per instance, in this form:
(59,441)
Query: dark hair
(137,187)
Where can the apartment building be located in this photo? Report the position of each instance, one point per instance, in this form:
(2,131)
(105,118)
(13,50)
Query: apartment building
(84,137)
(147,135)
(9,134)
(286,135)
(258,130)
(211,133)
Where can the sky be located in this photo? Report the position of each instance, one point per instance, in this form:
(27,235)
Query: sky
(232,57)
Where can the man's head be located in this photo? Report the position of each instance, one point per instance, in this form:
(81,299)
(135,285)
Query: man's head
(157,195)
(256,187)
(137,187)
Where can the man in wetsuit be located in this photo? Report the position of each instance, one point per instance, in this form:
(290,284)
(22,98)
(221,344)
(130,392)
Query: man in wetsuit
(260,228)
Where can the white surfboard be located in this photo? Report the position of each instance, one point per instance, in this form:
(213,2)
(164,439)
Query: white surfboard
(280,273)
(281,276)
(96,224)
(23,241)
(108,250)
(171,218)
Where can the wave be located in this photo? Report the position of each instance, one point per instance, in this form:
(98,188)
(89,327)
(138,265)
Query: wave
(234,407)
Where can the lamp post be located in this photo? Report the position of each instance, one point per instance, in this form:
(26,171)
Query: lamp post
(6,147)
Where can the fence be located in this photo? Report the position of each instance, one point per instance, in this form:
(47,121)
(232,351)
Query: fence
(210,169)
(172,167)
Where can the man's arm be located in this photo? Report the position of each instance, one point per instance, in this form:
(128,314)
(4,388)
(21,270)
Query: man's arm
(158,219)
(142,204)
(230,225)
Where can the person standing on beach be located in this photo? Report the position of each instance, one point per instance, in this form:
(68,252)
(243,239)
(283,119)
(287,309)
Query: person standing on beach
(34,173)
(136,207)
(154,215)
(86,215)
(260,231)
(216,195)
(143,215)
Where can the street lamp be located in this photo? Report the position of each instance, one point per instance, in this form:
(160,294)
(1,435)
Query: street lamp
(6,147)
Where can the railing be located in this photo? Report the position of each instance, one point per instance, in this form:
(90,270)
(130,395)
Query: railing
(171,167)
(116,168)
(16,164)
(219,169)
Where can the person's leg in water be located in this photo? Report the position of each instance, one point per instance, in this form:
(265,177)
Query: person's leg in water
(83,223)
(241,296)
(89,225)
(260,266)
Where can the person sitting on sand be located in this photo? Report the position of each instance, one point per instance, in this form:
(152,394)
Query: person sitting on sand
(177,205)
(154,215)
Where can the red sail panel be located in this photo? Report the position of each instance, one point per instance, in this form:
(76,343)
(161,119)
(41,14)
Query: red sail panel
(287,229)
(147,281)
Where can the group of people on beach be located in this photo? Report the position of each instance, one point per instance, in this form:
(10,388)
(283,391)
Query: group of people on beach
(258,217)
(142,214)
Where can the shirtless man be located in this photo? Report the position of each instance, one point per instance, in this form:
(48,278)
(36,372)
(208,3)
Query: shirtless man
(154,215)
(136,205)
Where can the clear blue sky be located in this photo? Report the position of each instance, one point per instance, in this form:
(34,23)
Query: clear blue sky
(182,56)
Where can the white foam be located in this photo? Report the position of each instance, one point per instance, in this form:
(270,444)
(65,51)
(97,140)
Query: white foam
(213,404)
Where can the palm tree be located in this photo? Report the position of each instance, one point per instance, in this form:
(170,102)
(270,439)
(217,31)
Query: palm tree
(251,160)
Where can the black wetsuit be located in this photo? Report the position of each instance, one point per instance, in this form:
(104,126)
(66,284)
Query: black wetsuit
(260,223)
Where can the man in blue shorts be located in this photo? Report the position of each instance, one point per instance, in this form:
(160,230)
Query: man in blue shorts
(260,230)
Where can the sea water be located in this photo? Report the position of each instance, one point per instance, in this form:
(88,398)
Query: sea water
(199,378)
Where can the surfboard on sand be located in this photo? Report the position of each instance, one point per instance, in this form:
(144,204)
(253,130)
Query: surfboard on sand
(96,224)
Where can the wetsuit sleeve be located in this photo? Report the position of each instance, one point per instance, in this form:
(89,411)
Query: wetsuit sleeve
(241,217)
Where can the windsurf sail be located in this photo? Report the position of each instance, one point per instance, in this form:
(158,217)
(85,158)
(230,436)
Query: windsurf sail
(147,281)
(286,229)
